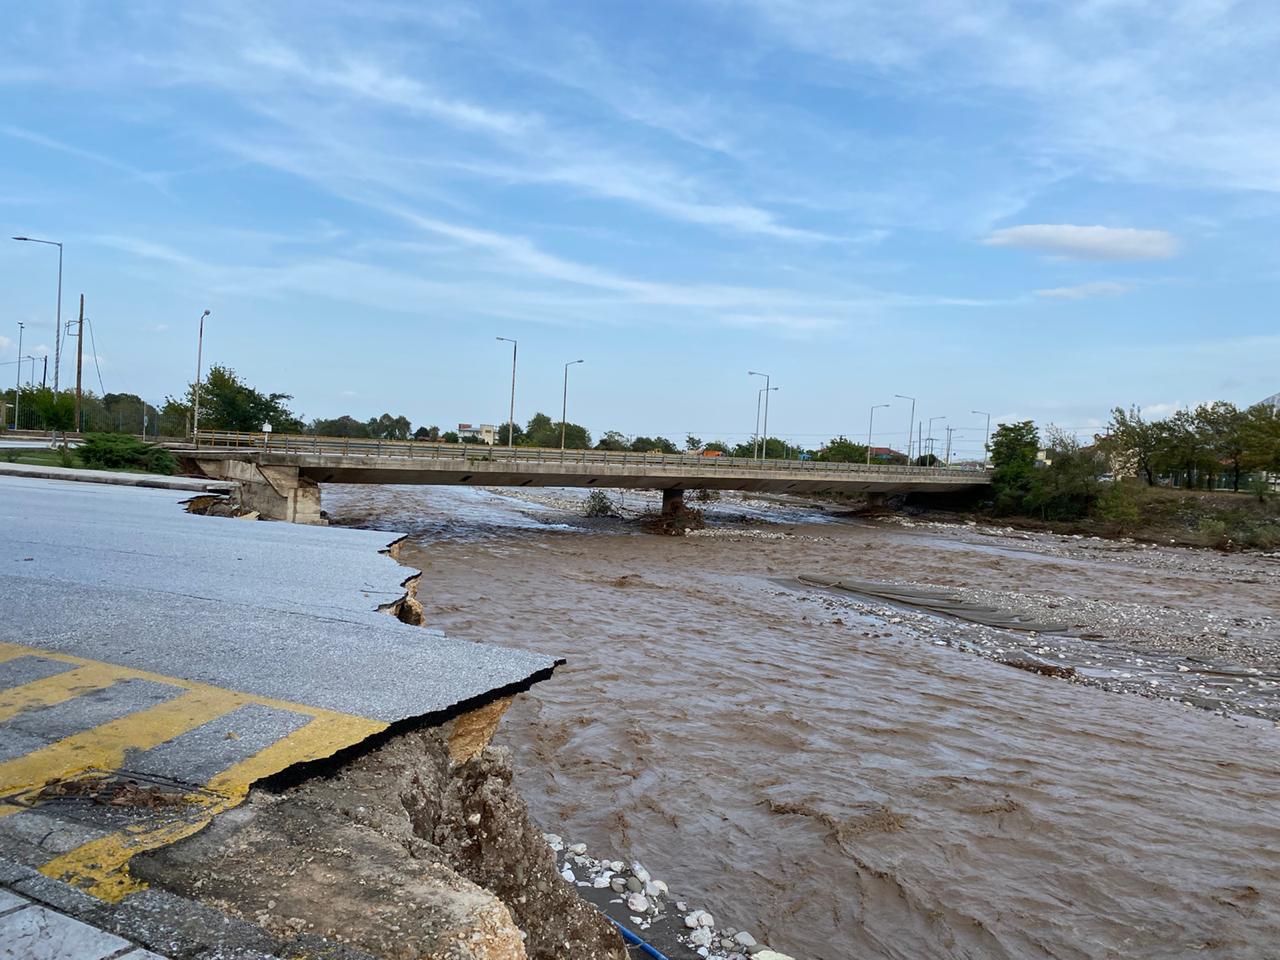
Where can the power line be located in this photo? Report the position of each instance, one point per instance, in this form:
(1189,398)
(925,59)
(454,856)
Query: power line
(94,342)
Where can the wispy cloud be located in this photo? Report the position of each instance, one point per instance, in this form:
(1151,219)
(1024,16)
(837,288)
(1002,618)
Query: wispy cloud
(1088,243)
(1085,291)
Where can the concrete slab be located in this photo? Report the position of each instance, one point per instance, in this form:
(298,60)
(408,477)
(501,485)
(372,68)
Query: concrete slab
(154,664)
(36,933)
(115,478)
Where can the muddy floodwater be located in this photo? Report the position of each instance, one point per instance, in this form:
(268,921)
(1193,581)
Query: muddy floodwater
(847,779)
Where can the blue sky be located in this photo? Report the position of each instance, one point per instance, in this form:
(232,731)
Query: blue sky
(1036,209)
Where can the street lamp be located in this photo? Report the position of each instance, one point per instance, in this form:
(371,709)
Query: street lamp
(17,384)
(911,424)
(987,443)
(930,436)
(951,432)
(764,441)
(195,420)
(564,404)
(870,422)
(57,326)
(511,423)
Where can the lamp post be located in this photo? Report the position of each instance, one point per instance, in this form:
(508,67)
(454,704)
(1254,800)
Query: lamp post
(17,383)
(870,423)
(930,436)
(57,326)
(511,423)
(564,404)
(951,431)
(195,419)
(986,444)
(910,423)
(764,440)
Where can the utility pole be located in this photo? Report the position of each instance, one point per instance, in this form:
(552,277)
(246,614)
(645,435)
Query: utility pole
(986,446)
(511,422)
(44,377)
(79,363)
(870,423)
(911,422)
(17,383)
(948,457)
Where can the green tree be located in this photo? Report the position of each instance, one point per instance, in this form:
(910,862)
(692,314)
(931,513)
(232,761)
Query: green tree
(719,446)
(387,427)
(1068,487)
(1014,447)
(843,450)
(343,426)
(542,431)
(228,403)
(1134,444)
(613,440)
(653,445)
(57,411)
(503,432)
(692,443)
(429,433)
(449,437)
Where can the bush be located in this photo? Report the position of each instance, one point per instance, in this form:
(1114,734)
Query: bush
(598,504)
(115,451)
(1118,508)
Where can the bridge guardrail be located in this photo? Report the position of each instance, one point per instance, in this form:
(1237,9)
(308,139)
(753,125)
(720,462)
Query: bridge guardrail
(434,450)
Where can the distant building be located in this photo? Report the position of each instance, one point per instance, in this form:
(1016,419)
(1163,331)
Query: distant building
(479,432)
(887,455)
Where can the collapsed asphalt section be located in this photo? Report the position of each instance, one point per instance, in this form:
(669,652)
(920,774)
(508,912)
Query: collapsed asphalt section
(154,665)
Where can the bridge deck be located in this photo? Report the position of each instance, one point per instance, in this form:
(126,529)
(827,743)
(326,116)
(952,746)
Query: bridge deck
(341,460)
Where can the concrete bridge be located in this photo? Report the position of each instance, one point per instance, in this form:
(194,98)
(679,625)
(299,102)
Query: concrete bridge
(280,474)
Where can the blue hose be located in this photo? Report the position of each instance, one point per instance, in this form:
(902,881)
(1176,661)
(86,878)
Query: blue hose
(631,938)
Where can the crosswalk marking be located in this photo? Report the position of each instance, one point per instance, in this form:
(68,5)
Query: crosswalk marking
(100,865)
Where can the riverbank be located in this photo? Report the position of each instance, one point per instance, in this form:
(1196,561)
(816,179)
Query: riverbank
(845,778)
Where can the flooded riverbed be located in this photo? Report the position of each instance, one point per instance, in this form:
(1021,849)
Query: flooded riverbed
(839,780)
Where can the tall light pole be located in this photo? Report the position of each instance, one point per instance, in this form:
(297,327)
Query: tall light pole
(57,326)
(986,443)
(511,423)
(764,440)
(17,383)
(195,419)
(950,432)
(564,403)
(930,436)
(870,423)
(910,424)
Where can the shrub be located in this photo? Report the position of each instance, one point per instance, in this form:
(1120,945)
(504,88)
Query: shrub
(598,504)
(1118,508)
(114,451)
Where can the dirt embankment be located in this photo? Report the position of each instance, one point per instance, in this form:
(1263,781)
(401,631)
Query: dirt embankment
(405,852)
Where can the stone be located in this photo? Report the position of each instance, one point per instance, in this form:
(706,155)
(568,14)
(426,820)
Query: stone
(701,937)
(770,955)
(744,939)
(641,873)
(634,884)
(638,903)
(578,849)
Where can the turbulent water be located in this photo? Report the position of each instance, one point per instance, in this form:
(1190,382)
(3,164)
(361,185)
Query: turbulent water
(835,780)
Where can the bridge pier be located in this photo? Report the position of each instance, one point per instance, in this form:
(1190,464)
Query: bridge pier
(672,503)
(275,492)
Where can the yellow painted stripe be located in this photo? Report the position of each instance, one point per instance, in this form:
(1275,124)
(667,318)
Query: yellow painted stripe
(57,689)
(99,867)
(322,737)
(103,747)
(11,651)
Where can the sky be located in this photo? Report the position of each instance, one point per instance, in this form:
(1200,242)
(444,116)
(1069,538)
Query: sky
(1035,209)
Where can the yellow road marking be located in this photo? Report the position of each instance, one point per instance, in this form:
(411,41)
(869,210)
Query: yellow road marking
(103,747)
(100,866)
(57,689)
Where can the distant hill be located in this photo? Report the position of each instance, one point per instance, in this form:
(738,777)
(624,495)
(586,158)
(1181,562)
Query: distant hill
(1273,401)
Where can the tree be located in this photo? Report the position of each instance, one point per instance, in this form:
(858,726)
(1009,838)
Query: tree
(692,443)
(505,430)
(653,445)
(387,427)
(343,426)
(1225,430)
(228,403)
(843,450)
(613,440)
(1014,447)
(427,433)
(717,446)
(1067,488)
(57,411)
(542,431)
(1134,444)
(449,437)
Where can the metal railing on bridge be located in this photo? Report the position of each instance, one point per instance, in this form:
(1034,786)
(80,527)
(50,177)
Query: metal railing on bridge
(427,450)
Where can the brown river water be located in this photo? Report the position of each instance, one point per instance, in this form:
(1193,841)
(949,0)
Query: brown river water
(833,778)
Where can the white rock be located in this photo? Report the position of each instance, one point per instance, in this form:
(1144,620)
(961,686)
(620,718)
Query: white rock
(638,903)
(744,939)
(616,866)
(699,918)
(701,937)
(641,873)
(578,849)
(655,887)
(770,955)
(567,873)
(554,840)
(600,882)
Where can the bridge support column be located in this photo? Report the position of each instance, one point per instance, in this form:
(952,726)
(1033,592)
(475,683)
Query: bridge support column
(672,503)
(275,492)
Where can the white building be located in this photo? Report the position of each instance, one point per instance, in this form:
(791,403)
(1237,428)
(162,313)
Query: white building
(484,432)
